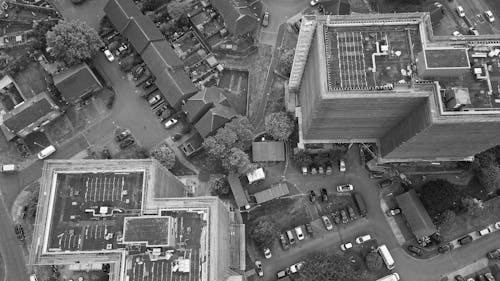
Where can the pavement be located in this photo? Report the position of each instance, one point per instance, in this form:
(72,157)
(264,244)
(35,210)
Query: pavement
(280,11)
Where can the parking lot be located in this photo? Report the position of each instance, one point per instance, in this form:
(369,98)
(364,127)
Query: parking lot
(144,269)
(106,188)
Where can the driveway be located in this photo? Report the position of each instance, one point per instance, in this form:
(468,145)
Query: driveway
(280,11)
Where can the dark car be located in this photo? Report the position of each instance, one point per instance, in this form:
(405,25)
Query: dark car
(312,196)
(416,250)
(309,229)
(445,248)
(494,254)
(459,278)
(482,278)
(465,240)
(148,83)
(265,19)
(122,135)
(385,183)
(351,212)
(127,142)
(345,218)
(324,195)
(284,242)
(176,137)
(376,175)
(336,217)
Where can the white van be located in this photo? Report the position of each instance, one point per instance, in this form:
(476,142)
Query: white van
(46,152)
(9,168)
(33,277)
(386,256)
(392,277)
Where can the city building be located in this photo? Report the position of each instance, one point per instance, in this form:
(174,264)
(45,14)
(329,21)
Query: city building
(387,79)
(135,216)
(77,83)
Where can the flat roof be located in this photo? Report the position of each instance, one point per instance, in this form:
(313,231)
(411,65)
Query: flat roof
(447,58)
(361,57)
(268,151)
(151,230)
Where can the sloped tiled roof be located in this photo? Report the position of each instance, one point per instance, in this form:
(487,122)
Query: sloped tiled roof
(201,102)
(28,113)
(240,17)
(215,118)
(140,31)
(160,55)
(119,12)
(76,82)
(417,217)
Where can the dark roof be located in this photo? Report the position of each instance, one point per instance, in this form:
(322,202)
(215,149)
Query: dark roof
(175,86)
(140,31)
(28,113)
(268,151)
(275,191)
(159,55)
(215,118)
(240,16)
(76,82)
(415,214)
(119,12)
(201,102)
(239,193)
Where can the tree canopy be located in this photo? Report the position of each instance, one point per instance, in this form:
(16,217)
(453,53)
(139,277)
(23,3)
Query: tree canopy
(440,195)
(72,42)
(165,155)
(285,62)
(279,126)
(40,32)
(243,129)
(326,266)
(177,9)
(264,233)
(373,261)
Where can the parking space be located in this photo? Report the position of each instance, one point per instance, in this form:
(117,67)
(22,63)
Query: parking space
(106,188)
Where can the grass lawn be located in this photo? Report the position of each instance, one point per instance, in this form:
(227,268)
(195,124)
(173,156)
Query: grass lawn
(181,170)
(465,223)
(32,80)
(285,213)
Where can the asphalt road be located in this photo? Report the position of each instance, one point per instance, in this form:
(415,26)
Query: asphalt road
(474,10)
(280,11)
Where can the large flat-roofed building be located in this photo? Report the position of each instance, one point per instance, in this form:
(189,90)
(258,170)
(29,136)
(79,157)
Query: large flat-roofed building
(133,215)
(386,79)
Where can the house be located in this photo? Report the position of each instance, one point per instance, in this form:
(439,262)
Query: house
(240,16)
(215,118)
(29,116)
(268,151)
(240,195)
(196,106)
(416,215)
(76,83)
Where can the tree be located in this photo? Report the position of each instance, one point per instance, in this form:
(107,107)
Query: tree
(243,129)
(440,195)
(221,187)
(168,28)
(39,32)
(73,42)
(279,126)
(285,62)
(303,159)
(238,161)
(220,144)
(446,219)
(326,266)
(177,9)
(151,5)
(264,233)
(165,155)
(473,206)
(373,261)
(488,177)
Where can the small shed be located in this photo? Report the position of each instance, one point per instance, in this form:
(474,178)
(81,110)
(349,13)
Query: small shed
(275,191)
(417,217)
(256,175)
(268,151)
(239,193)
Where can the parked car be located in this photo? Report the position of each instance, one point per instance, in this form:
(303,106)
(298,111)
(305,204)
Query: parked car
(148,83)
(385,183)
(154,99)
(327,223)
(9,168)
(345,188)
(294,268)
(299,233)
(489,16)
(314,3)
(127,142)
(456,33)
(351,213)
(289,234)
(314,171)
(309,229)
(465,240)
(267,253)
(437,4)
(284,242)
(393,212)
(343,215)
(363,239)
(497,225)
(321,171)
(460,11)
(304,170)
(459,278)
(336,217)
(376,175)
(46,152)
(328,170)
(122,135)
(415,250)
(493,254)
(109,55)
(138,72)
(346,246)
(481,277)
(473,31)
(265,19)
(312,196)
(445,248)
(483,232)
(258,268)
(170,123)
(342,166)
(324,195)
(176,137)
(281,274)
(489,276)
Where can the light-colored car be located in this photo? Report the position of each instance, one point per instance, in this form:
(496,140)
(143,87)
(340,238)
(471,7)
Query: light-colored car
(497,225)
(170,123)
(294,268)
(265,19)
(346,246)
(314,3)
(8,168)
(363,239)
(304,170)
(267,253)
(109,55)
(483,232)
(327,223)
(300,234)
(437,4)
(393,212)
(345,188)
(258,268)
(456,33)
(46,152)
(154,99)
(342,167)
(489,16)
(460,11)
